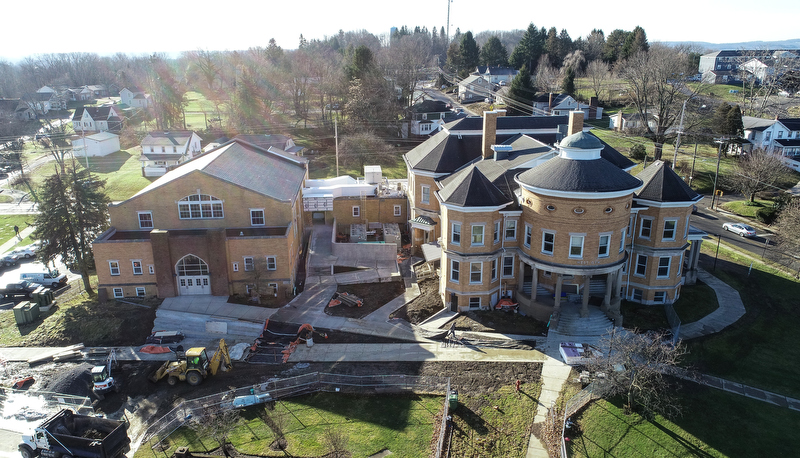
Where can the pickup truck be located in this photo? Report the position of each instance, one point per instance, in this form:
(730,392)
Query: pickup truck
(23,288)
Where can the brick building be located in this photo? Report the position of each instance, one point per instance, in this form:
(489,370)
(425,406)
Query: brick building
(541,224)
(219,224)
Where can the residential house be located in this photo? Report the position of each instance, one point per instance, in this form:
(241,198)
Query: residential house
(78,94)
(780,136)
(162,151)
(730,66)
(43,102)
(135,98)
(620,121)
(277,141)
(516,217)
(474,88)
(16,110)
(562,104)
(428,116)
(496,75)
(99,144)
(97,119)
(223,223)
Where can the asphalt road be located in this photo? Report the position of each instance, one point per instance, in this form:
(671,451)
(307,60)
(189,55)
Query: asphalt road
(711,222)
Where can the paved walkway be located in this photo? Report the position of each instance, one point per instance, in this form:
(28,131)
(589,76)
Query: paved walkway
(729,311)
(14,241)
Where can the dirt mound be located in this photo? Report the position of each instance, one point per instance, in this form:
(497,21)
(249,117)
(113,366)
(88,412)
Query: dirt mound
(75,380)
(424,306)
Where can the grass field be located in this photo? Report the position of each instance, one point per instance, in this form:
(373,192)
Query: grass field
(402,424)
(7,223)
(199,111)
(715,424)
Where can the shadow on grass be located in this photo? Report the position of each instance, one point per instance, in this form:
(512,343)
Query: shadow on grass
(110,163)
(472,419)
(392,412)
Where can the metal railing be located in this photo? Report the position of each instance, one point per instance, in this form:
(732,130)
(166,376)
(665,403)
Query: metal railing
(53,402)
(279,389)
(573,405)
(444,424)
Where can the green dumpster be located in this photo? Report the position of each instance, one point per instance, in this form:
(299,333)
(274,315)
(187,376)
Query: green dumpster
(19,313)
(452,399)
(31,312)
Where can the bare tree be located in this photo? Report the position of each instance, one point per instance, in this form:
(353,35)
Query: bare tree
(360,147)
(787,229)
(755,172)
(216,422)
(278,422)
(336,441)
(657,90)
(599,73)
(638,366)
(548,78)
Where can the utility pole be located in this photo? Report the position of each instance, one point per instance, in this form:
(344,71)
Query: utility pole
(336,138)
(680,131)
(694,159)
(720,141)
(448,21)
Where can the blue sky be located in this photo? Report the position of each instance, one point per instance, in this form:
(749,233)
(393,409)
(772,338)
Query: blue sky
(146,26)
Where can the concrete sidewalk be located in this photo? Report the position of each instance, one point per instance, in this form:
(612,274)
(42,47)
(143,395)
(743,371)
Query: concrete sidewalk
(410,352)
(14,241)
(729,311)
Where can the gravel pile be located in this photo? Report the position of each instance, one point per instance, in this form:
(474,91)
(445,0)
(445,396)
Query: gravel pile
(76,381)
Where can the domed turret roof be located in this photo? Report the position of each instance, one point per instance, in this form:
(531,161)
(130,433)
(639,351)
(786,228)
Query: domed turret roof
(581,140)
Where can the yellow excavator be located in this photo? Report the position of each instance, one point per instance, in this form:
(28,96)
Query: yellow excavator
(194,366)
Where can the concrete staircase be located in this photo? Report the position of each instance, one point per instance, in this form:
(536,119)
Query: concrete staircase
(572,324)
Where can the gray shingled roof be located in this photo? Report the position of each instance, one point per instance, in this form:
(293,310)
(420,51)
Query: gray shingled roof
(170,138)
(515,123)
(585,176)
(473,190)
(790,123)
(247,166)
(662,184)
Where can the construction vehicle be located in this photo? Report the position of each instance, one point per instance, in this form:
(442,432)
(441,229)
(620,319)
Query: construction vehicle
(67,434)
(102,379)
(194,366)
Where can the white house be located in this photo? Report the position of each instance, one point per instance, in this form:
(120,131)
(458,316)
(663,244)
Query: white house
(562,104)
(497,75)
(97,119)
(474,87)
(163,150)
(134,98)
(99,144)
(780,137)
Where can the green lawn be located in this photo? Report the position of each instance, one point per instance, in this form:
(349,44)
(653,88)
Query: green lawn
(696,301)
(754,349)
(402,424)
(714,424)
(7,223)
(324,166)
(199,110)
(745,208)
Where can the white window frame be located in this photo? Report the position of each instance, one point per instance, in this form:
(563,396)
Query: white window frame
(637,292)
(649,228)
(235,266)
(140,291)
(622,241)
(398,210)
(113,266)
(455,232)
(151,269)
(254,217)
(137,270)
(686,229)
(144,226)
(275,286)
(118,292)
(528,235)
(660,297)
(455,270)
(474,302)
(190,208)
(639,257)
(680,265)
(511,226)
(272,263)
(249,264)
(664,230)
(510,275)
(493,267)
(572,239)
(356,211)
(496,234)
(476,230)
(545,242)
(473,271)
(606,245)
(661,266)
(425,194)
(631,227)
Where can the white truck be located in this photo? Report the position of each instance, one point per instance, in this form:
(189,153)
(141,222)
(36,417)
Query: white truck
(49,278)
(80,436)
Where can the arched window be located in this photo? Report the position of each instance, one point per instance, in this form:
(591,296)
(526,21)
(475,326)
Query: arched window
(191,265)
(200,206)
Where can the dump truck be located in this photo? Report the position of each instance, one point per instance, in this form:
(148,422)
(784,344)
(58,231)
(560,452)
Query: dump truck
(194,366)
(69,434)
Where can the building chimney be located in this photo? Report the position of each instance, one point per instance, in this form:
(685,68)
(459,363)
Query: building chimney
(575,122)
(500,113)
(592,107)
(489,132)
(550,103)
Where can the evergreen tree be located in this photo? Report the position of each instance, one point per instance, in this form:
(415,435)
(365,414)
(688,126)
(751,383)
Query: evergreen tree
(552,48)
(520,94)
(612,50)
(73,211)
(568,83)
(733,122)
(721,118)
(470,54)
(529,49)
(494,53)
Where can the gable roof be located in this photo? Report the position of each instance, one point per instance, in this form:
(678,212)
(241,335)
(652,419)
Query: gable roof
(758,124)
(168,138)
(790,123)
(239,163)
(96,113)
(662,184)
(8,105)
(474,79)
(430,106)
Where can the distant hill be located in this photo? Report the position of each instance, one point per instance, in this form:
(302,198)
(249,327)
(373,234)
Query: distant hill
(711,47)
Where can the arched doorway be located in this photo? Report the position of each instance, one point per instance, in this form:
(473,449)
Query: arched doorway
(193,278)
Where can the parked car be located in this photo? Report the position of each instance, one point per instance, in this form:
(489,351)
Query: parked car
(26,252)
(9,260)
(23,288)
(743,230)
